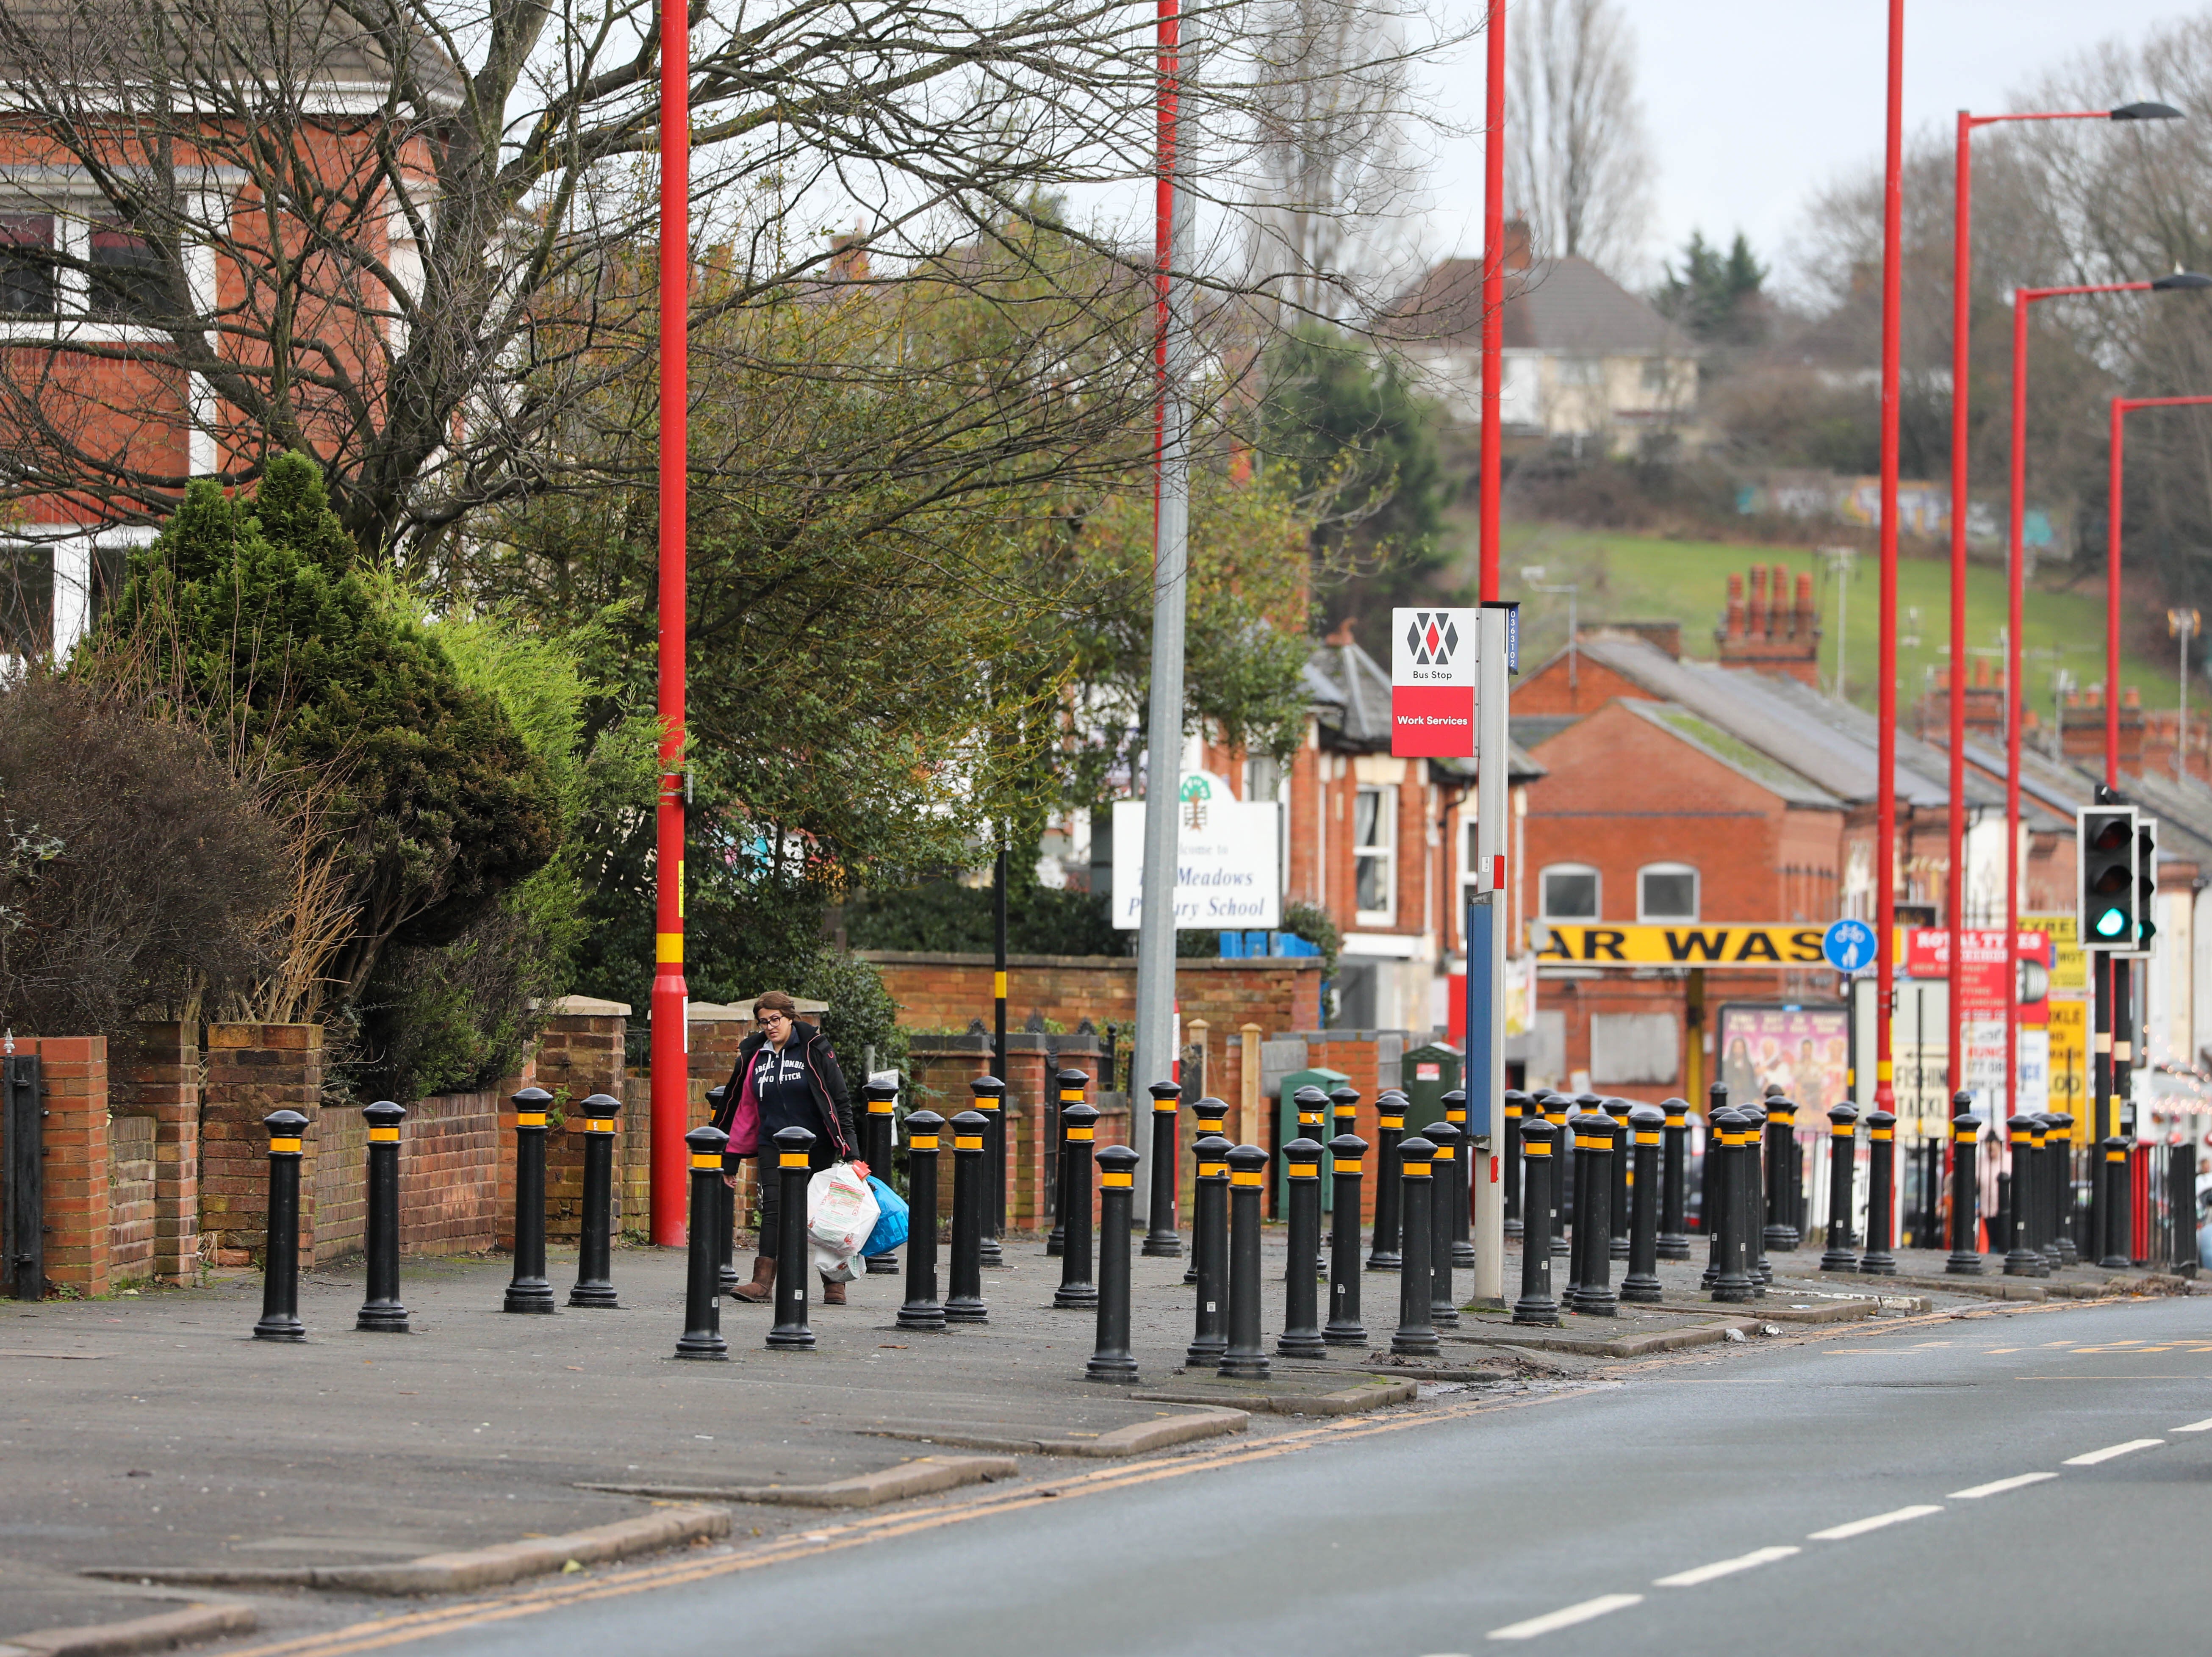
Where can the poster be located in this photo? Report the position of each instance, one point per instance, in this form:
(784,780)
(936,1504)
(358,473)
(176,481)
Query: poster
(2069,1064)
(1806,1050)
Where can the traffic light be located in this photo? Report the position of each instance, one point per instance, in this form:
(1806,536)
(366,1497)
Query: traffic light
(2105,838)
(2146,881)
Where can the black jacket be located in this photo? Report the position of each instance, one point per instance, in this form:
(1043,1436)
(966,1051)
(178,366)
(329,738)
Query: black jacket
(832,1104)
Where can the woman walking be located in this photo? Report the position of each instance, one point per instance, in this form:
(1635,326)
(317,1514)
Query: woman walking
(787,1073)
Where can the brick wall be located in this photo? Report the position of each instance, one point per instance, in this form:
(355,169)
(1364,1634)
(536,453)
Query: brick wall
(941,991)
(154,1077)
(252,1070)
(129,1198)
(78,1159)
(449,1161)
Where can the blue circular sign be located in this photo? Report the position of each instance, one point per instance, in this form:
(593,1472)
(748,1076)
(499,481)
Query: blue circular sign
(1849,945)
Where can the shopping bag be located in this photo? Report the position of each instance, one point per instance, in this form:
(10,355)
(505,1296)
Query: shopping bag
(891,1225)
(841,1208)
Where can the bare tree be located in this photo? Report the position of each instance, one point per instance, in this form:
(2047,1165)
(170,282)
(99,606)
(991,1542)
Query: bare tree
(412,238)
(1580,167)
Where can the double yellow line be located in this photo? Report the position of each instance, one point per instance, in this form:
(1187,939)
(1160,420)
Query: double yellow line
(389,1631)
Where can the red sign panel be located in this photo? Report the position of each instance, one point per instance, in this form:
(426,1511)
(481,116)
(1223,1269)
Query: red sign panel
(1984,969)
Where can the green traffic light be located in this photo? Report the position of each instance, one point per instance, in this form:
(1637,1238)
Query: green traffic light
(2111,923)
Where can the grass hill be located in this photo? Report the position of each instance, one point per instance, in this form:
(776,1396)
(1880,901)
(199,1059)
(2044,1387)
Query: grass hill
(1633,577)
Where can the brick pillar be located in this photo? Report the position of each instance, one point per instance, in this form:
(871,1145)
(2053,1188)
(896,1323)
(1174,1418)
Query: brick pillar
(252,1070)
(716,1033)
(579,1052)
(74,1070)
(153,1072)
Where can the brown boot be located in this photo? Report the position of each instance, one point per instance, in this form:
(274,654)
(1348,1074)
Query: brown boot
(763,1282)
(833,1293)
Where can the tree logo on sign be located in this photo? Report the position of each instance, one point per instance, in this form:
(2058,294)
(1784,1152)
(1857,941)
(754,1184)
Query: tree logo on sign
(1196,792)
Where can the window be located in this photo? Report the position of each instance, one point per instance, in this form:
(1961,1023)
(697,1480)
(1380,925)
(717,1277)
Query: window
(126,276)
(1570,892)
(26,265)
(1375,854)
(1667,891)
(1657,377)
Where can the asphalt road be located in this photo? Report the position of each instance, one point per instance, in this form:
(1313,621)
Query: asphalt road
(2025,1483)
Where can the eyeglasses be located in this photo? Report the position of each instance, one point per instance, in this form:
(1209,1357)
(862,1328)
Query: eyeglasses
(771,1014)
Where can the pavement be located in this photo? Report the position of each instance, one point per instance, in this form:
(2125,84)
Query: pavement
(148,1434)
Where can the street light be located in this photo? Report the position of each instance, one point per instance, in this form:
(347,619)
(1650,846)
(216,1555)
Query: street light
(1532,576)
(2015,596)
(1962,257)
(2115,488)
(2180,624)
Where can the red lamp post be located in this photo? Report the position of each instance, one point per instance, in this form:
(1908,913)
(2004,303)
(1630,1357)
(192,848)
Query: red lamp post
(1493,302)
(2015,587)
(2121,407)
(1962,262)
(1884,856)
(671,1069)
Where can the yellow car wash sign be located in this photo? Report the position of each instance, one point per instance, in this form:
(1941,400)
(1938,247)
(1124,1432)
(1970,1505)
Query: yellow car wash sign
(1749,945)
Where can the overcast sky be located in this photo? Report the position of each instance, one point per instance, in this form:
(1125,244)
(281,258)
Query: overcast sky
(1753,105)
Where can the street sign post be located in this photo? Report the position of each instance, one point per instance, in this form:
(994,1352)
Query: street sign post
(1848,945)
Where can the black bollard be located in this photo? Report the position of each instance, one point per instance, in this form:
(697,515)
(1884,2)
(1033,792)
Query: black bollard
(794,1251)
(2118,1207)
(1462,1199)
(2059,1142)
(1162,1240)
(1575,1204)
(1080,1123)
(1618,1110)
(1641,1286)
(1070,1084)
(1966,1260)
(1781,1233)
(1556,1111)
(1514,1103)
(922,1310)
(1731,1140)
(381,1311)
(1443,1187)
(1243,1358)
(1843,1159)
(1674,1181)
(280,1259)
(528,1291)
(1117,1175)
(1343,1327)
(1209,1249)
(725,1218)
(702,1291)
(1301,1336)
(1313,1114)
(1595,1132)
(971,1191)
(2022,1259)
(1211,1113)
(1416,1335)
(2038,1193)
(1881,1191)
(878,1131)
(1712,1186)
(1390,1128)
(1343,1118)
(1751,1172)
(1536,1305)
(988,1101)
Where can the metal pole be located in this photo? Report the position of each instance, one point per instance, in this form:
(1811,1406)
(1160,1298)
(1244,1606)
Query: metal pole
(1886,718)
(1154,1056)
(1485,1091)
(995,1193)
(671,1043)
(2115,478)
(1962,265)
(1494,317)
(2016,601)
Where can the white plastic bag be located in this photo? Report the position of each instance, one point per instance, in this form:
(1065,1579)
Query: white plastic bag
(840,1209)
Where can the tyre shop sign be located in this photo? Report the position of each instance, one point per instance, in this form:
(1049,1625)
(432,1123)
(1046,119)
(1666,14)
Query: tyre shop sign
(1750,945)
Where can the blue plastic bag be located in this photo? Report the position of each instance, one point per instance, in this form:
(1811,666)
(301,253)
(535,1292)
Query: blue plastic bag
(891,1221)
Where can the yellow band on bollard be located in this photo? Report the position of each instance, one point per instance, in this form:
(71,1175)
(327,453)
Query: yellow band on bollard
(998,987)
(1882,1133)
(530,1119)
(1395,1123)
(1844,1131)
(2116,1156)
(1590,1142)
(883,1107)
(1305,1170)
(1647,1136)
(922,1142)
(668,946)
(1071,1095)
(384,1136)
(1415,1170)
(1512,1112)
(1246,1179)
(1211,1170)
(1166,1107)
(1964,1136)
(1675,1119)
(1537,1148)
(1454,1117)
(1116,1182)
(599,1124)
(1081,1134)
(787,1159)
(713,1161)
(967,1141)
(283,1146)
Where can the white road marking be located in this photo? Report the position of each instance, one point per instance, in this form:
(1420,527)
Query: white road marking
(2112,1450)
(2203,1426)
(1998,1487)
(1860,1526)
(1567,1617)
(1690,1579)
